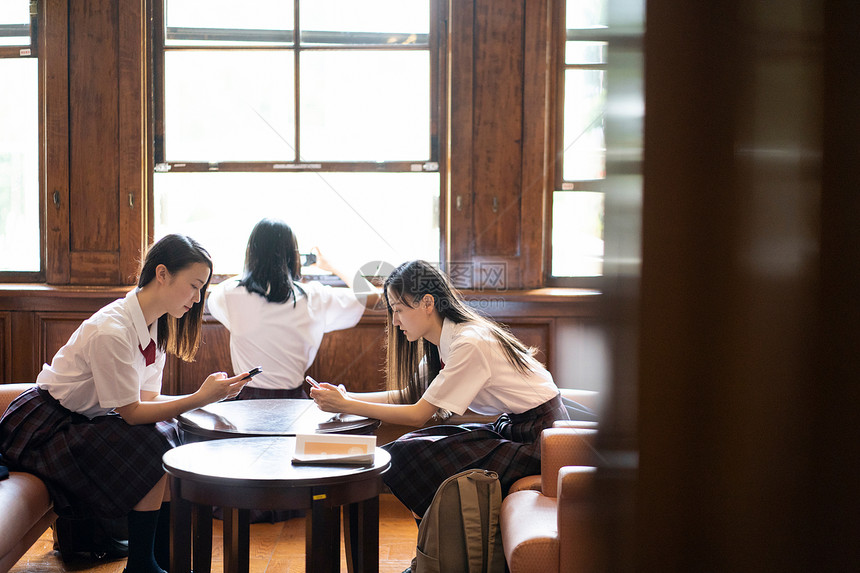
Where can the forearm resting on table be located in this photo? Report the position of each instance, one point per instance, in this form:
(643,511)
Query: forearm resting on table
(157,407)
(384,397)
(404,414)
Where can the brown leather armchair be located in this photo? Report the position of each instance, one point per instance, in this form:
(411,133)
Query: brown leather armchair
(24,502)
(545,519)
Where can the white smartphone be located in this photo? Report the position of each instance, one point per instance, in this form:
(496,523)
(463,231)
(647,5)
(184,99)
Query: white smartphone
(312,382)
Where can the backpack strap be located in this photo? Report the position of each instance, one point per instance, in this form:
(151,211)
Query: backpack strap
(494,539)
(471,522)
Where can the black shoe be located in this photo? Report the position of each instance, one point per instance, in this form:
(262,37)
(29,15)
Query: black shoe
(115,548)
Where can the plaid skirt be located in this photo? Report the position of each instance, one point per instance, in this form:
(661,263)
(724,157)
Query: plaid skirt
(251,393)
(510,446)
(101,467)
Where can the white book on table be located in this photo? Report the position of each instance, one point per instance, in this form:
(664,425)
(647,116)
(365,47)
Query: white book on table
(334,449)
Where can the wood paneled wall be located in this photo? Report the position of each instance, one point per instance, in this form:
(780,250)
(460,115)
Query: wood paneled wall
(96,160)
(35,323)
(749,331)
(500,159)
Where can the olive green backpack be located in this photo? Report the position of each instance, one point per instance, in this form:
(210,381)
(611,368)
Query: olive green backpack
(460,530)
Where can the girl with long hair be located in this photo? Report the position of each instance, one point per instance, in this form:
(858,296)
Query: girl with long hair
(444,358)
(95,427)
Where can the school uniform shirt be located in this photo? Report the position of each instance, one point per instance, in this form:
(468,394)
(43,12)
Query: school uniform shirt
(478,376)
(102,367)
(283,338)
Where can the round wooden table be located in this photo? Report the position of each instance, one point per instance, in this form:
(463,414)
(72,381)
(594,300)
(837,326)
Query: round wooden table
(240,474)
(272,417)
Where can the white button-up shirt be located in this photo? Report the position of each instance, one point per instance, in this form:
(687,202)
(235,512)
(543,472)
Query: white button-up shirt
(282,338)
(101,367)
(478,376)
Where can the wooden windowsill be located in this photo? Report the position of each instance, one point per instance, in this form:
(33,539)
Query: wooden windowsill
(538,303)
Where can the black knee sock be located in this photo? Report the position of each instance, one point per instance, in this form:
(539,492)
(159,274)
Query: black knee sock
(162,537)
(141,539)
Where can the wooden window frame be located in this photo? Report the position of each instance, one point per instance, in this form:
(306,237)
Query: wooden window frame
(558,183)
(435,46)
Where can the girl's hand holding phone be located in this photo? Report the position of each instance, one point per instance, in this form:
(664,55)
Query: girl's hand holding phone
(328,397)
(218,386)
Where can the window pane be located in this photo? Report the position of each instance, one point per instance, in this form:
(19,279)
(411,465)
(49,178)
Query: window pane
(585,52)
(353,217)
(368,22)
(225,105)
(577,234)
(584,144)
(365,106)
(584,14)
(19,165)
(213,22)
(15,23)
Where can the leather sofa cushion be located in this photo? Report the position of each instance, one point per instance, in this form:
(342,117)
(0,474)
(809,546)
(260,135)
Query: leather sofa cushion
(24,501)
(529,524)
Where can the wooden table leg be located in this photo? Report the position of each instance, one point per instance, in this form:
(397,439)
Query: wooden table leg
(322,536)
(180,530)
(202,535)
(237,540)
(361,536)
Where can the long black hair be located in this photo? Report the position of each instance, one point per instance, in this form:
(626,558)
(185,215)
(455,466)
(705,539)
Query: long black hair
(179,336)
(408,284)
(272,264)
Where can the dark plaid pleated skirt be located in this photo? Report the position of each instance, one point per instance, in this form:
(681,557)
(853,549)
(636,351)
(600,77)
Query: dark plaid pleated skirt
(251,393)
(101,467)
(510,446)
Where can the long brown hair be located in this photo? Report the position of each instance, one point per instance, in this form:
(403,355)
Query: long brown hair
(178,336)
(408,284)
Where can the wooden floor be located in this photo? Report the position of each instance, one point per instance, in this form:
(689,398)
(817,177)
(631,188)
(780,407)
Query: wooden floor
(275,547)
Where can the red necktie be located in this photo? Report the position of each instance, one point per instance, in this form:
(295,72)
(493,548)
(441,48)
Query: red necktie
(149,352)
(442,363)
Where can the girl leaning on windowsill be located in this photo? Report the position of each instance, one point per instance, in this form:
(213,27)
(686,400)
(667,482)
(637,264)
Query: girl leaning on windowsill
(96,426)
(471,363)
(275,320)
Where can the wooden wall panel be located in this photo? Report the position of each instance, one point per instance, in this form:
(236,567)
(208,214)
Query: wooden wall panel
(6,345)
(54,330)
(54,46)
(91,267)
(213,356)
(498,110)
(499,177)
(23,348)
(133,152)
(460,240)
(353,357)
(537,152)
(536,334)
(93,126)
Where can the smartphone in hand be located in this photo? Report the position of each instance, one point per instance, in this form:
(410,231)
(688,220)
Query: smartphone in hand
(312,382)
(253,373)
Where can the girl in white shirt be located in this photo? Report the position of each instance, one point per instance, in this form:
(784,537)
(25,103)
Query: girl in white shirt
(444,358)
(96,426)
(274,320)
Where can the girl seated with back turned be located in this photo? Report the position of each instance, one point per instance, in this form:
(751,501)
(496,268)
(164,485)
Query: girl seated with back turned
(444,358)
(274,320)
(95,427)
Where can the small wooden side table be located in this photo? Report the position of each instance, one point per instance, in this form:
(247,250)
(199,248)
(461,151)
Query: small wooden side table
(240,474)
